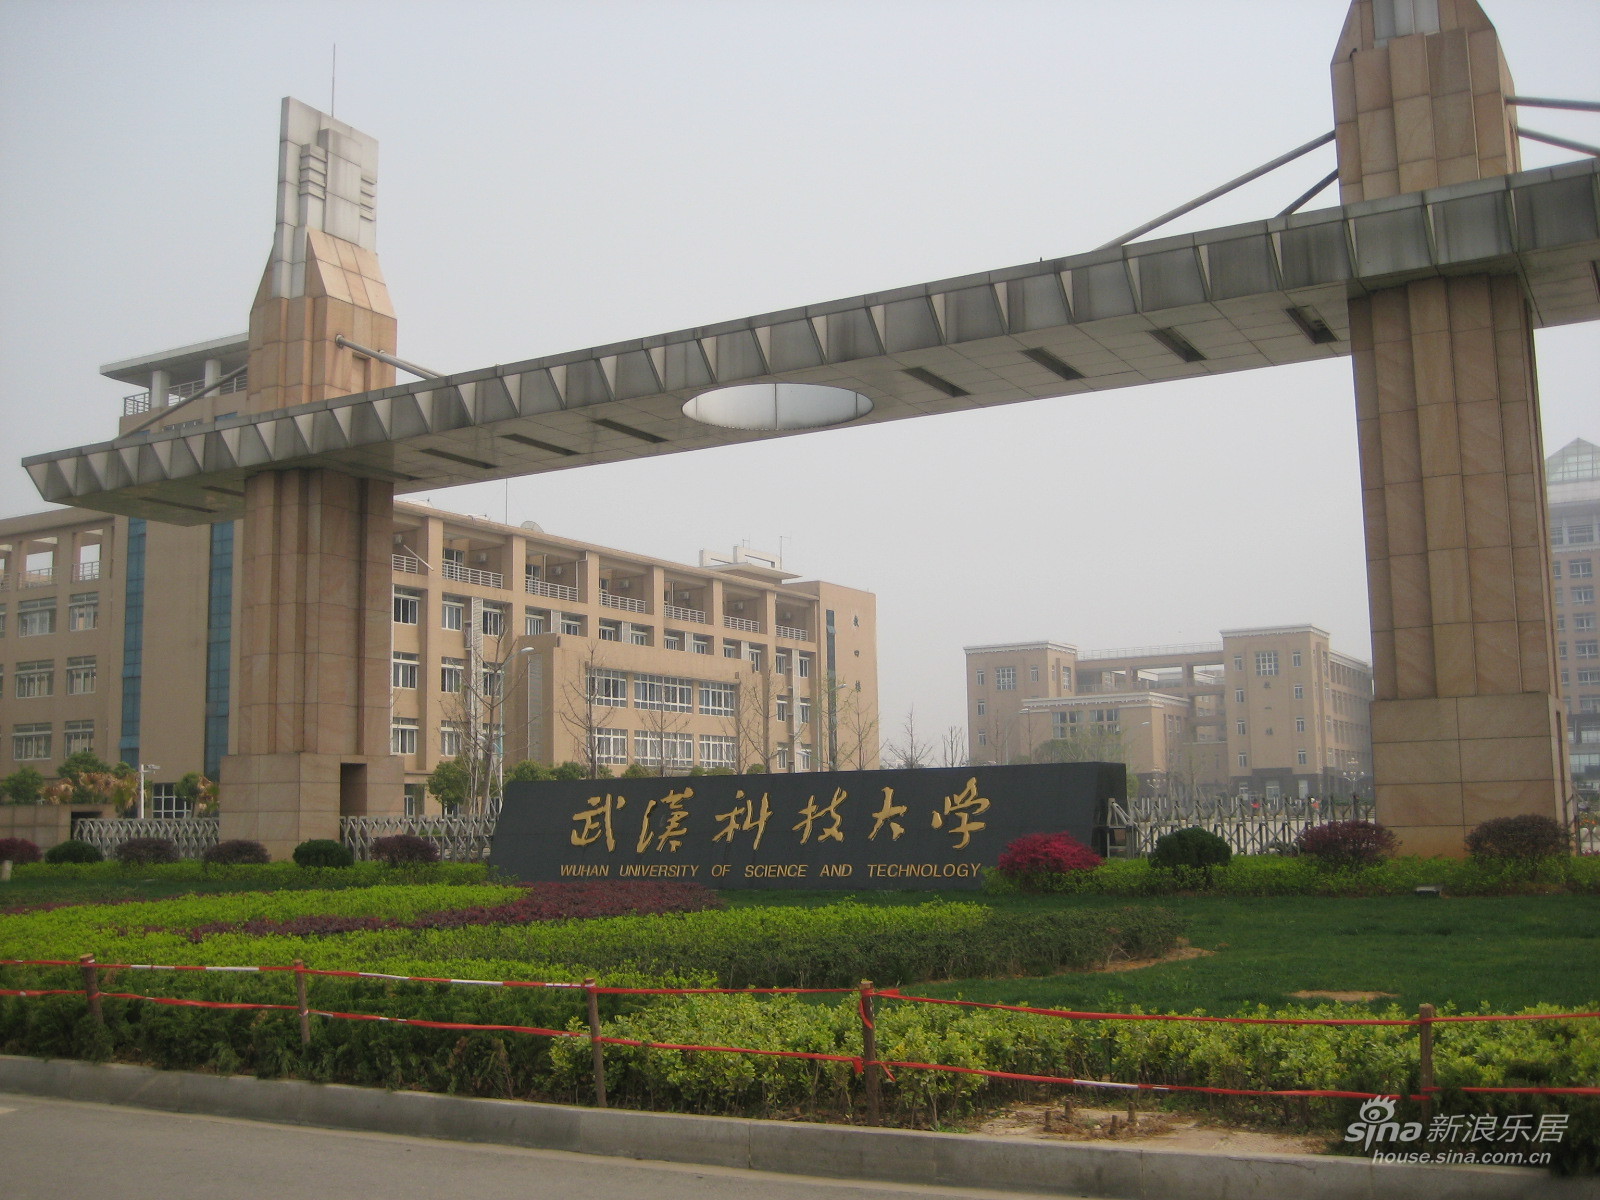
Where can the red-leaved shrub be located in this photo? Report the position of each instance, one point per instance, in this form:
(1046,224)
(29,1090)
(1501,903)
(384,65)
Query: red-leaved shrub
(1046,854)
(19,851)
(404,850)
(1347,843)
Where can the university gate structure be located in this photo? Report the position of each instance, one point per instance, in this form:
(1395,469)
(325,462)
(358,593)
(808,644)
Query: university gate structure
(1440,261)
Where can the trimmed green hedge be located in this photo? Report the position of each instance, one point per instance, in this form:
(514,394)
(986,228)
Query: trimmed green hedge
(1278,875)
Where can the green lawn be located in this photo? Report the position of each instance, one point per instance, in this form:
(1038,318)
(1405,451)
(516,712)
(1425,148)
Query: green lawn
(1505,952)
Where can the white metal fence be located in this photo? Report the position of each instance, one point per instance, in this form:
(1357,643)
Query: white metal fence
(193,836)
(1253,825)
(459,838)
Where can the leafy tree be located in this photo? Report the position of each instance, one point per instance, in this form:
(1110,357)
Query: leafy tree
(637,771)
(83,762)
(23,786)
(573,770)
(452,783)
(528,771)
(200,792)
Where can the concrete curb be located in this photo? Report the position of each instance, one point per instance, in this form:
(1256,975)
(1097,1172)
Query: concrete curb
(839,1151)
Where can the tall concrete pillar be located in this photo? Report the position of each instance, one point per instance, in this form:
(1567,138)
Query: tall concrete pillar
(1465,723)
(312,733)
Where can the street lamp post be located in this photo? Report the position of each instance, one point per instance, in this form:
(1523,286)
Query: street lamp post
(527,716)
(138,806)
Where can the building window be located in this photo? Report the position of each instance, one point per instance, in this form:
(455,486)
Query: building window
(83,612)
(36,617)
(701,643)
(1266,662)
(165,803)
(492,680)
(1580,568)
(1583,595)
(756,657)
(780,760)
(450,739)
(78,737)
(716,750)
(402,736)
(1238,695)
(804,661)
(1244,759)
(80,676)
(610,631)
(1033,674)
(638,635)
(983,708)
(672,640)
(664,693)
(407,604)
(983,738)
(979,678)
(1294,659)
(493,620)
(572,624)
(414,799)
(608,689)
(534,621)
(804,758)
(780,662)
(453,613)
(1300,757)
(1582,622)
(1005,679)
(452,674)
(730,649)
(2,620)
(1586,649)
(666,751)
(1238,662)
(783,710)
(1299,724)
(805,710)
(716,699)
(36,680)
(403,670)
(1299,692)
(611,747)
(30,743)
(1238,727)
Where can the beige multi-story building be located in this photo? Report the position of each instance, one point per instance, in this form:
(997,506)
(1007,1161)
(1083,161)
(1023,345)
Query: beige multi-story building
(507,642)
(1272,711)
(1573,477)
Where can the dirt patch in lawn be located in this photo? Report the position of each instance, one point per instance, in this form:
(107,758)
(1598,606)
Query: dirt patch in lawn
(1344,996)
(1177,954)
(1164,1130)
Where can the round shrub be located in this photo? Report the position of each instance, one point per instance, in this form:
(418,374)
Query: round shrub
(236,853)
(73,851)
(1193,847)
(144,852)
(1341,844)
(1035,854)
(1526,838)
(404,850)
(19,851)
(323,852)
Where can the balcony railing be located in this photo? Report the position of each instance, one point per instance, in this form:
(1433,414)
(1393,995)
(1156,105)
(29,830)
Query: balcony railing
(558,591)
(5,581)
(488,579)
(139,402)
(39,577)
(793,634)
(626,603)
(85,571)
(694,615)
(742,624)
(407,564)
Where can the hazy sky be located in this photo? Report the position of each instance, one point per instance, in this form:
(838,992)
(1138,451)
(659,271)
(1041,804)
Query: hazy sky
(561,175)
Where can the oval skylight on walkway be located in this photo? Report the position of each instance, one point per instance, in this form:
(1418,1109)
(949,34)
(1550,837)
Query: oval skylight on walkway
(777,406)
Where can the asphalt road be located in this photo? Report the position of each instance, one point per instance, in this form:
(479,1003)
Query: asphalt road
(62,1150)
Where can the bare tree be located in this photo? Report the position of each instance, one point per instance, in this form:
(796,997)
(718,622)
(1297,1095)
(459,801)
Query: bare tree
(754,710)
(585,706)
(910,751)
(472,707)
(665,727)
(953,748)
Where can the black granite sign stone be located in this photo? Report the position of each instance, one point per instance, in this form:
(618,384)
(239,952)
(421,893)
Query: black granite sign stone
(852,830)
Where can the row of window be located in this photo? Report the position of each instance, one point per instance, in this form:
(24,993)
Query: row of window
(1581,622)
(1576,568)
(37,679)
(1589,648)
(1005,678)
(1578,595)
(1571,533)
(38,616)
(35,741)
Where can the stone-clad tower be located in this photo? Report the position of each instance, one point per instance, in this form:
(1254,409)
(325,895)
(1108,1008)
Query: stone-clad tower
(1466,724)
(312,739)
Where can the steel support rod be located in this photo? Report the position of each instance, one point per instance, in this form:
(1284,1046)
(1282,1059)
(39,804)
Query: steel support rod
(402,364)
(1315,188)
(1546,102)
(1219,191)
(1550,139)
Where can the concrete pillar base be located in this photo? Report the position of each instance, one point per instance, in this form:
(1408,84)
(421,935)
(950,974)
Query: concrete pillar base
(281,800)
(1447,764)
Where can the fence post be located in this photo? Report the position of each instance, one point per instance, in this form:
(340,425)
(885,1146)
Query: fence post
(300,998)
(1425,1059)
(91,987)
(869,1054)
(595,1048)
